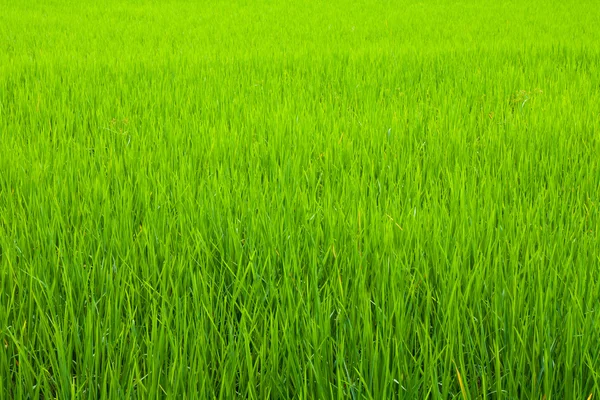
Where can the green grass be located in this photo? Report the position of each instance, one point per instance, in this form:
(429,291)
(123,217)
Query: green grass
(367,200)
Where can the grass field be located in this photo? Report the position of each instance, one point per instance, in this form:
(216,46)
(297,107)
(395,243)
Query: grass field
(254,199)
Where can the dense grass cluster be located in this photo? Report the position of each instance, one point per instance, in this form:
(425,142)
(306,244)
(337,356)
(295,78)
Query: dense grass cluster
(256,199)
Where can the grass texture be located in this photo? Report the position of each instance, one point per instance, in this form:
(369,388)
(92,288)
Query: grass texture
(260,199)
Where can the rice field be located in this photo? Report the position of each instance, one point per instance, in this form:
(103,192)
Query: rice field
(317,200)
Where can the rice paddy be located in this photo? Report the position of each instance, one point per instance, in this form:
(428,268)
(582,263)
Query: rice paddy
(345,200)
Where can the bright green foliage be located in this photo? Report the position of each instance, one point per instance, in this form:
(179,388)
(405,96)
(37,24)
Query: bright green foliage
(258,199)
